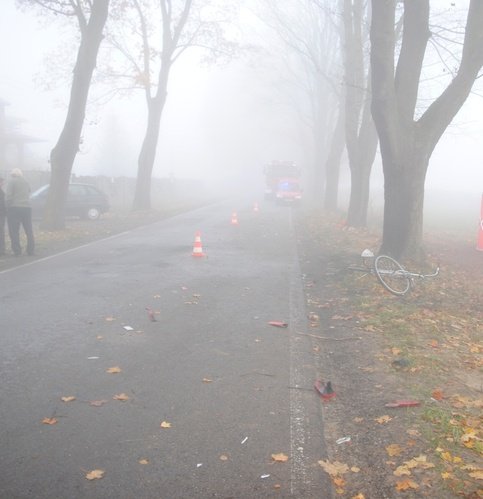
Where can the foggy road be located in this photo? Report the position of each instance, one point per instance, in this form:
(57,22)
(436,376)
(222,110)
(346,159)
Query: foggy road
(233,389)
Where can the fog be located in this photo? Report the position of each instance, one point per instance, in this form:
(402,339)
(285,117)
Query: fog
(220,124)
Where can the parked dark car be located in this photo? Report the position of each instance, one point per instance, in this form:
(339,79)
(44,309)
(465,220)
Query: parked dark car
(83,200)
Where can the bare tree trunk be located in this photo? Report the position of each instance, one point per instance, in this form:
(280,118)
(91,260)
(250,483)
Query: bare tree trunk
(142,196)
(63,154)
(361,138)
(407,145)
(332,166)
(361,167)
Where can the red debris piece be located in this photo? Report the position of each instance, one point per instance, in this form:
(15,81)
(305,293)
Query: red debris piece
(325,390)
(278,324)
(403,403)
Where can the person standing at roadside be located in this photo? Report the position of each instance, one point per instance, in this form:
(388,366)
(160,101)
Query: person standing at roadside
(3,216)
(19,212)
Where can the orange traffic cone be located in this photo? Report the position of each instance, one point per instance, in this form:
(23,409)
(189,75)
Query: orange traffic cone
(197,248)
(255,207)
(479,244)
(234,218)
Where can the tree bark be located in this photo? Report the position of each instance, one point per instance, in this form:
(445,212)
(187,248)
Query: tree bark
(406,144)
(361,138)
(63,154)
(332,165)
(142,196)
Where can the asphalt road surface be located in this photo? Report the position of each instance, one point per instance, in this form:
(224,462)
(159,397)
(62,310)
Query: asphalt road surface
(232,389)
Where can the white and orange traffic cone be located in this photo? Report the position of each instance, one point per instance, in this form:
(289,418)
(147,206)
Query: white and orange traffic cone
(234,218)
(197,247)
(479,244)
(255,207)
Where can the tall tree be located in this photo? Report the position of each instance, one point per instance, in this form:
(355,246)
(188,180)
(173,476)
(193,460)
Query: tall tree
(407,141)
(91,16)
(151,35)
(361,136)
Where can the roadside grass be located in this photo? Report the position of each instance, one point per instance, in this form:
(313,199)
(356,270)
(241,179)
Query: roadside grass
(431,338)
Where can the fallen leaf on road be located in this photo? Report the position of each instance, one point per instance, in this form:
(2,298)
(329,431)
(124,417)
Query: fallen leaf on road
(437,394)
(165,424)
(207,380)
(359,496)
(477,474)
(338,481)
(95,474)
(113,370)
(223,457)
(383,419)
(97,403)
(335,468)
(406,485)
(393,450)
(355,469)
(280,458)
(67,399)
(121,397)
(49,421)
(143,461)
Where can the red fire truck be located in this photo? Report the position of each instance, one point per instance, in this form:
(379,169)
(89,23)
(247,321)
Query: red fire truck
(282,182)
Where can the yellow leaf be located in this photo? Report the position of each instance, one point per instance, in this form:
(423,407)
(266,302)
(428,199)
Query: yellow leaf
(335,468)
(446,456)
(406,484)
(401,470)
(113,370)
(393,450)
(477,474)
(67,399)
(383,419)
(165,424)
(95,474)
(281,458)
(419,462)
(49,421)
(355,469)
(445,475)
(121,397)
(143,461)
(359,496)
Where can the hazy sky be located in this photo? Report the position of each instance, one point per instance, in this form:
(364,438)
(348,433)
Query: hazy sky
(216,121)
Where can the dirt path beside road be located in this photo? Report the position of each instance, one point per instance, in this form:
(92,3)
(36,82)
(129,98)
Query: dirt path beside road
(377,349)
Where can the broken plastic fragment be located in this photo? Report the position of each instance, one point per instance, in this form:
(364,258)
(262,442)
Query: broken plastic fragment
(244,440)
(403,403)
(278,324)
(128,328)
(325,390)
(343,440)
(264,476)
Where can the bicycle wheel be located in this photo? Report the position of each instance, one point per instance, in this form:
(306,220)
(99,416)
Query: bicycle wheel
(392,275)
